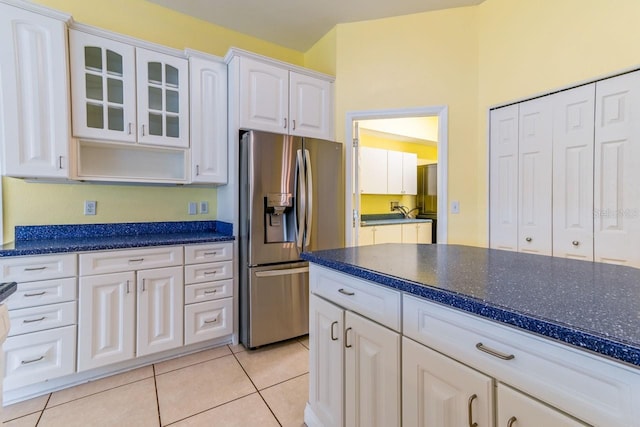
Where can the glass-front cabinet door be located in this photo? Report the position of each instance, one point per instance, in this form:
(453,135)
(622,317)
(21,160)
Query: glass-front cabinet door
(102,88)
(163,100)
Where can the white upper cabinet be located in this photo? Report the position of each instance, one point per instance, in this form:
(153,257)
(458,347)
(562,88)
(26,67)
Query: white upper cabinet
(34,93)
(372,165)
(534,176)
(573,118)
(163,99)
(310,106)
(124,93)
(275,99)
(103,88)
(617,170)
(208,97)
(503,179)
(387,172)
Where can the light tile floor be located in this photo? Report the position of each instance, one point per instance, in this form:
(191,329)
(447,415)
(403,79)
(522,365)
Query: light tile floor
(225,386)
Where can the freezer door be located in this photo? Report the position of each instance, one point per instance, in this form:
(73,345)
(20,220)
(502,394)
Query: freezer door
(325,199)
(268,198)
(278,304)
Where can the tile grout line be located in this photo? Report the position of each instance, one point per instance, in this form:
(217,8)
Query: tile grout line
(209,409)
(155,386)
(43,409)
(259,394)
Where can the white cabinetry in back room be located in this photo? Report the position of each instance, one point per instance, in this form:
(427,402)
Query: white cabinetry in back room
(387,172)
(34,92)
(276,99)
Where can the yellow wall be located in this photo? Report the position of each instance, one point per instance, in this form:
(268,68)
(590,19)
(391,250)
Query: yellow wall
(533,47)
(424,59)
(380,203)
(322,55)
(33,203)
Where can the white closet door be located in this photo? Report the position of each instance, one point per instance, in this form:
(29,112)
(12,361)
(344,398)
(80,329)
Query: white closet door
(534,176)
(617,170)
(573,119)
(503,179)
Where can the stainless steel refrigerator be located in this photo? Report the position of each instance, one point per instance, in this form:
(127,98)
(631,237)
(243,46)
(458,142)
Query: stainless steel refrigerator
(291,200)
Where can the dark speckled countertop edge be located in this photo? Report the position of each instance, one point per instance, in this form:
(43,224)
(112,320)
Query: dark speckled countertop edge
(586,340)
(7,289)
(41,240)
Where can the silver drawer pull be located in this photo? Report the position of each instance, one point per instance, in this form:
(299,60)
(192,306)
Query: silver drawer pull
(207,273)
(346,338)
(495,353)
(136,260)
(342,291)
(37,294)
(34,320)
(211,253)
(211,321)
(511,421)
(470,410)
(26,362)
(333,336)
(210,291)
(35,268)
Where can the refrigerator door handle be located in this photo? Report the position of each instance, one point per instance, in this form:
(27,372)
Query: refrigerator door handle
(285,272)
(309,202)
(301,204)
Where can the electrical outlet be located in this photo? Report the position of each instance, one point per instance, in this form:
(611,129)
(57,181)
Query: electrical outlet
(204,207)
(90,207)
(455,207)
(393,205)
(193,208)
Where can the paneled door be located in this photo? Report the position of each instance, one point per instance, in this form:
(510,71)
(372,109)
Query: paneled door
(160,317)
(535,176)
(441,392)
(573,117)
(503,179)
(372,373)
(617,170)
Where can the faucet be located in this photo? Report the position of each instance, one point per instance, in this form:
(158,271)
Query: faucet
(405,211)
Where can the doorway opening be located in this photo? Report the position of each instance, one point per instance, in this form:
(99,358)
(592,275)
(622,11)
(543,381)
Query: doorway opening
(390,130)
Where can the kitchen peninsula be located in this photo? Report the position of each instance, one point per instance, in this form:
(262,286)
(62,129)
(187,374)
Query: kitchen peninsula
(557,339)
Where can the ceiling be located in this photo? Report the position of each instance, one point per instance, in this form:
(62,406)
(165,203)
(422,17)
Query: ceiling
(299,24)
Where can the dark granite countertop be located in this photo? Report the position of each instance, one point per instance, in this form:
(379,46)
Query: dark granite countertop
(48,239)
(6,289)
(593,306)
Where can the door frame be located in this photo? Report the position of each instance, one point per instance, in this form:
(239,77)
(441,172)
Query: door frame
(442,112)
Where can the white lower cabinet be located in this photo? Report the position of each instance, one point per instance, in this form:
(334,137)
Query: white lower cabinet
(352,353)
(132,313)
(516,409)
(440,392)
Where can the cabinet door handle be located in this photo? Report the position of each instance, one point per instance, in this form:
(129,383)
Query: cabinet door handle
(136,260)
(35,268)
(208,273)
(349,293)
(144,287)
(470,410)
(511,421)
(60,162)
(142,130)
(130,128)
(34,320)
(333,337)
(285,122)
(575,243)
(294,124)
(128,290)
(346,338)
(211,253)
(493,352)
(37,294)
(214,320)
(528,239)
(210,291)
(197,170)
(26,362)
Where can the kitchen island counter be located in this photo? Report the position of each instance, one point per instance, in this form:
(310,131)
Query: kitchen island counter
(50,239)
(590,305)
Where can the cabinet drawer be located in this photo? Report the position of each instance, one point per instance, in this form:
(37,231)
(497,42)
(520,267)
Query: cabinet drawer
(208,320)
(28,269)
(194,254)
(199,273)
(128,260)
(584,385)
(208,291)
(375,302)
(33,294)
(39,356)
(35,319)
